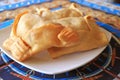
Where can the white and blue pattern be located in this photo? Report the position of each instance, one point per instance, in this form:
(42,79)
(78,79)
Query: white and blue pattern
(21,4)
(106,7)
(112,9)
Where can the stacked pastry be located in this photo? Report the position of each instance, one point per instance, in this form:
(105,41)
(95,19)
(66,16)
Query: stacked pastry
(59,32)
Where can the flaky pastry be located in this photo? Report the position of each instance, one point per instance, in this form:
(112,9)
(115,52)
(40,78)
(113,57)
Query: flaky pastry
(32,33)
(60,32)
(90,38)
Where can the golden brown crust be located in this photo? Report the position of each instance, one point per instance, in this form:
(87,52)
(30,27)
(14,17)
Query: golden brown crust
(68,36)
(92,39)
(57,31)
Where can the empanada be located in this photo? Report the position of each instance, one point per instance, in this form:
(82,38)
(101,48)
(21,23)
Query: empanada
(31,34)
(60,32)
(89,39)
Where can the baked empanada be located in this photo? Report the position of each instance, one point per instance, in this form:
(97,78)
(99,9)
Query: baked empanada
(88,39)
(60,32)
(31,34)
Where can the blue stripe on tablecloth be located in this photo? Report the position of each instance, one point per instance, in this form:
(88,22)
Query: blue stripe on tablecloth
(110,28)
(111,9)
(21,4)
(6,23)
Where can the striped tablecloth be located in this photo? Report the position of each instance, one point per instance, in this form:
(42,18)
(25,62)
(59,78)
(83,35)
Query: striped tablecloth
(109,66)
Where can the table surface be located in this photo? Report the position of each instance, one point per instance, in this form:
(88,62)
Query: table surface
(10,70)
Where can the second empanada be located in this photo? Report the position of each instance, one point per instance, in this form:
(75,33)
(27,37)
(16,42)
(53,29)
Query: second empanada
(91,39)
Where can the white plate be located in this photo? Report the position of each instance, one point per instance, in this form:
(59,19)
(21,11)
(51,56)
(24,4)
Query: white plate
(43,63)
